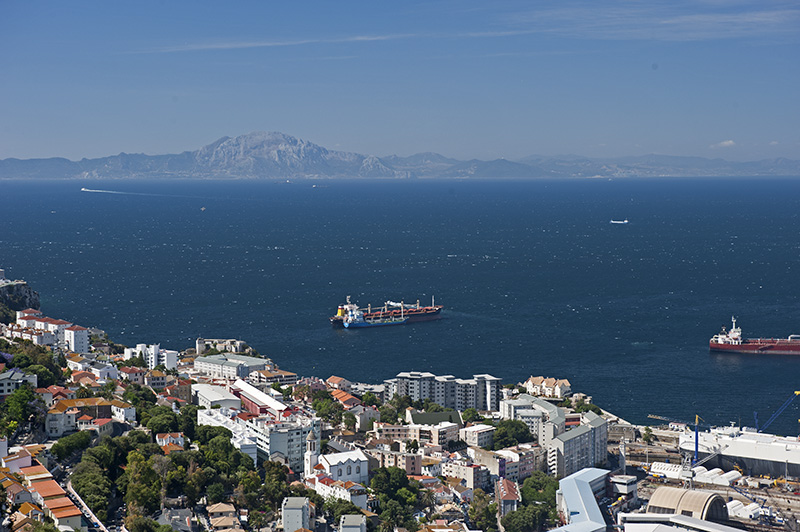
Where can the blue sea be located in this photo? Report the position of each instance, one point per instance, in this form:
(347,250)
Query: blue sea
(534,278)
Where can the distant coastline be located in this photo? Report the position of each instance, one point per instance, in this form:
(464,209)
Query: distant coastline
(276,156)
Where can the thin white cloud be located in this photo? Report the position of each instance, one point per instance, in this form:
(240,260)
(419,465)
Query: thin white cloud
(239,45)
(658,20)
(774,143)
(723,144)
(663,21)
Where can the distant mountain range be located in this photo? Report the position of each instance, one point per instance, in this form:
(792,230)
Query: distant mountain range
(261,155)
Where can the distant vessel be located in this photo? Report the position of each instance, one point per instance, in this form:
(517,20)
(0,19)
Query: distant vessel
(732,342)
(350,316)
(619,221)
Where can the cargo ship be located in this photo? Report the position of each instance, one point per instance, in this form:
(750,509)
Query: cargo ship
(350,316)
(732,342)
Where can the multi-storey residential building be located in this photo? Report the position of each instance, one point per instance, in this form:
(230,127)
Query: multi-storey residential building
(545,420)
(477,435)
(269,376)
(77,338)
(12,379)
(474,475)
(296,514)
(155,379)
(438,434)
(481,392)
(132,374)
(153,355)
(410,463)
(578,448)
(36,336)
(230,366)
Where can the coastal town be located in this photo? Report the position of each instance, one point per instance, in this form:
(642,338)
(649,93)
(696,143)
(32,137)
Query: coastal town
(216,436)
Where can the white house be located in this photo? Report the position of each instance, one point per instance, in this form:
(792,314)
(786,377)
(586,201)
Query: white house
(77,339)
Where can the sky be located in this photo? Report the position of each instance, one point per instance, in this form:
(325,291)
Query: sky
(467,79)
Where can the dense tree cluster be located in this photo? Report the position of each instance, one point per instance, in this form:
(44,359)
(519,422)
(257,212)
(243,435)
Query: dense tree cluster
(483,511)
(511,432)
(69,444)
(21,407)
(538,505)
(138,468)
(35,359)
(327,407)
(398,497)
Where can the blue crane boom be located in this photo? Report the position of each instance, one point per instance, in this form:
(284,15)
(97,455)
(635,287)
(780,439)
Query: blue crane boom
(777,413)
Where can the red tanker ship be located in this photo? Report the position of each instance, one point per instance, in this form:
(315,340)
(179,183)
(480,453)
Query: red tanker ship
(732,342)
(389,311)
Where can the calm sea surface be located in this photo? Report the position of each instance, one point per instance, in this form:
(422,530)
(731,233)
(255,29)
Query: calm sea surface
(534,278)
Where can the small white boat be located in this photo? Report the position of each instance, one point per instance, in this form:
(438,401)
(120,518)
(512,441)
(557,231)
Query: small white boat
(619,221)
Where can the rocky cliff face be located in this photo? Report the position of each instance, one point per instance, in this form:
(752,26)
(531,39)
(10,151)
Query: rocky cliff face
(14,297)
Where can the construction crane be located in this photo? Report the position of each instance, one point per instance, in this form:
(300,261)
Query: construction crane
(777,413)
(697,424)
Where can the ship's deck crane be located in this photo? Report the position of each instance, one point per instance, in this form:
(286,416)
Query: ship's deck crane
(777,413)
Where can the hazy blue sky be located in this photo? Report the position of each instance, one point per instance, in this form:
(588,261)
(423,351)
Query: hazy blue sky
(466,79)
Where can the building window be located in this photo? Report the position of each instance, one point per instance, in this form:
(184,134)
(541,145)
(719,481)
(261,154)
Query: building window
(349,470)
(358,469)
(340,472)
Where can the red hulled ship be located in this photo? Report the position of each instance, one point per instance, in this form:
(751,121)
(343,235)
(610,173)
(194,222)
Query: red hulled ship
(389,311)
(732,342)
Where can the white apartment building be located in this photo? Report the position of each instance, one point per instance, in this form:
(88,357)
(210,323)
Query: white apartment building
(77,339)
(296,514)
(481,392)
(153,355)
(36,336)
(545,420)
(477,435)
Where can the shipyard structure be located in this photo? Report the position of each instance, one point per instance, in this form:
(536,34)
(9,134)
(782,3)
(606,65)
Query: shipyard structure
(746,450)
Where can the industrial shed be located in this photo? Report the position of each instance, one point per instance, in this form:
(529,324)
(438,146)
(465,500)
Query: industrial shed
(692,503)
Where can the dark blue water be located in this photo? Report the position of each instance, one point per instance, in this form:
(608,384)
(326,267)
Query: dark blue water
(534,278)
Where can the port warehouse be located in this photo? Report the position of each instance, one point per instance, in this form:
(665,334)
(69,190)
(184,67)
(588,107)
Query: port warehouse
(744,449)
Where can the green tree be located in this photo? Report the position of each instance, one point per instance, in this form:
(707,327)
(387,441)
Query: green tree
(388,414)
(349,421)
(69,444)
(647,435)
(216,492)
(44,377)
(483,511)
(525,519)
(471,415)
(511,432)
(539,488)
(370,399)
